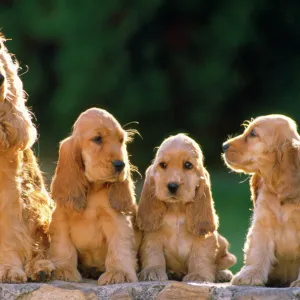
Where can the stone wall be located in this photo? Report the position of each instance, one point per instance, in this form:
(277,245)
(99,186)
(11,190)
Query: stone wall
(89,290)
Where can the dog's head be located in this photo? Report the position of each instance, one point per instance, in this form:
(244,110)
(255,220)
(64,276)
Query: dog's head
(17,130)
(94,153)
(268,147)
(177,175)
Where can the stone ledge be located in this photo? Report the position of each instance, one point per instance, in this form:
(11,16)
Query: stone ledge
(89,290)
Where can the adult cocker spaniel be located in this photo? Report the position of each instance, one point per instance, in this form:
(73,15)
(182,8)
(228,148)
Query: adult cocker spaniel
(93,222)
(269,150)
(177,216)
(25,207)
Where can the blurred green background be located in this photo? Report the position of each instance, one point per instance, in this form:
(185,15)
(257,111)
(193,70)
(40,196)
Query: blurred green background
(195,66)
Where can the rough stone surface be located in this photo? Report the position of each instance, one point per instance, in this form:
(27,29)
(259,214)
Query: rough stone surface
(89,290)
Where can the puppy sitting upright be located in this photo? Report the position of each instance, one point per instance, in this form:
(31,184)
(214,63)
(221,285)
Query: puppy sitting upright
(269,150)
(177,214)
(25,206)
(94,193)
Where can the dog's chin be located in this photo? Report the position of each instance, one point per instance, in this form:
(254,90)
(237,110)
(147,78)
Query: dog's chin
(117,178)
(113,178)
(238,167)
(174,199)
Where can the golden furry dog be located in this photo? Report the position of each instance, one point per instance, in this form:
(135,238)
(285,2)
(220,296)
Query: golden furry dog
(269,150)
(93,222)
(25,207)
(177,216)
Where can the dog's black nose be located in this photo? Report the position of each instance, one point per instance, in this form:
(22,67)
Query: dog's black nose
(1,79)
(225,146)
(173,187)
(119,165)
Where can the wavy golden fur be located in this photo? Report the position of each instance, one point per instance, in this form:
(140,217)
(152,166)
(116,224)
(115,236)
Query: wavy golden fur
(25,207)
(93,222)
(177,216)
(269,150)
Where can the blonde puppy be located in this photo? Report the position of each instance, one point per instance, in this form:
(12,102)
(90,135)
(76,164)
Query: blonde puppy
(177,215)
(269,150)
(25,206)
(94,217)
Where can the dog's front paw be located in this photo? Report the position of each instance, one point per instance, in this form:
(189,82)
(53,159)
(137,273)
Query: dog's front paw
(155,273)
(66,274)
(249,276)
(224,276)
(40,270)
(10,274)
(197,277)
(116,276)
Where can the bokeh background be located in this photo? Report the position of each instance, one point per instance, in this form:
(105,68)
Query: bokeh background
(196,66)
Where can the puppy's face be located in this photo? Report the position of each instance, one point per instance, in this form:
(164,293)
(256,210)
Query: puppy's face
(258,146)
(176,169)
(103,146)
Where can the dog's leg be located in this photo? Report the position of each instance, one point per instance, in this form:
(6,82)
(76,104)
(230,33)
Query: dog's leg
(201,261)
(13,254)
(120,262)
(39,268)
(152,259)
(15,243)
(259,255)
(63,253)
(11,267)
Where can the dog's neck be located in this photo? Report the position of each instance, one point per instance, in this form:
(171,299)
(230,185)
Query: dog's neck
(97,186)
(176,207)
(276,183)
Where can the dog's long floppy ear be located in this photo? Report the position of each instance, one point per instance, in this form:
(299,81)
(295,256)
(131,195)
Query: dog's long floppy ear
(122,196)
(287,172)
(150,209)
(69,186)
(201,215)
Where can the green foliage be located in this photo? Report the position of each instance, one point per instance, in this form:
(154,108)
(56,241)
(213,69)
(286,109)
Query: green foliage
(198,66)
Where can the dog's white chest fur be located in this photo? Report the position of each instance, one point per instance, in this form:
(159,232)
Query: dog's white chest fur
(282,225)
(177,242)
(91,229)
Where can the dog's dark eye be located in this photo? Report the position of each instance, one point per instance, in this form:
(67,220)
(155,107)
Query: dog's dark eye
(97,139)
(252,133)
(121,140)
(187,165)
(163,165)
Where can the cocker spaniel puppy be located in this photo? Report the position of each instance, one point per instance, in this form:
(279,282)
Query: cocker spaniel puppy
(177,216)
(93,222)
(269,150)
(25,207)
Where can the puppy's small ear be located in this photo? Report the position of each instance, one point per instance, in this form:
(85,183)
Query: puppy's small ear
(122,197)
(69,185)
(201,215)
(287,176)
(150,209)
(255,185)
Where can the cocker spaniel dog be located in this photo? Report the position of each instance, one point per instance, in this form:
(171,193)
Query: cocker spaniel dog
(93,223)
(269,150)
(25,207)
(177,216)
